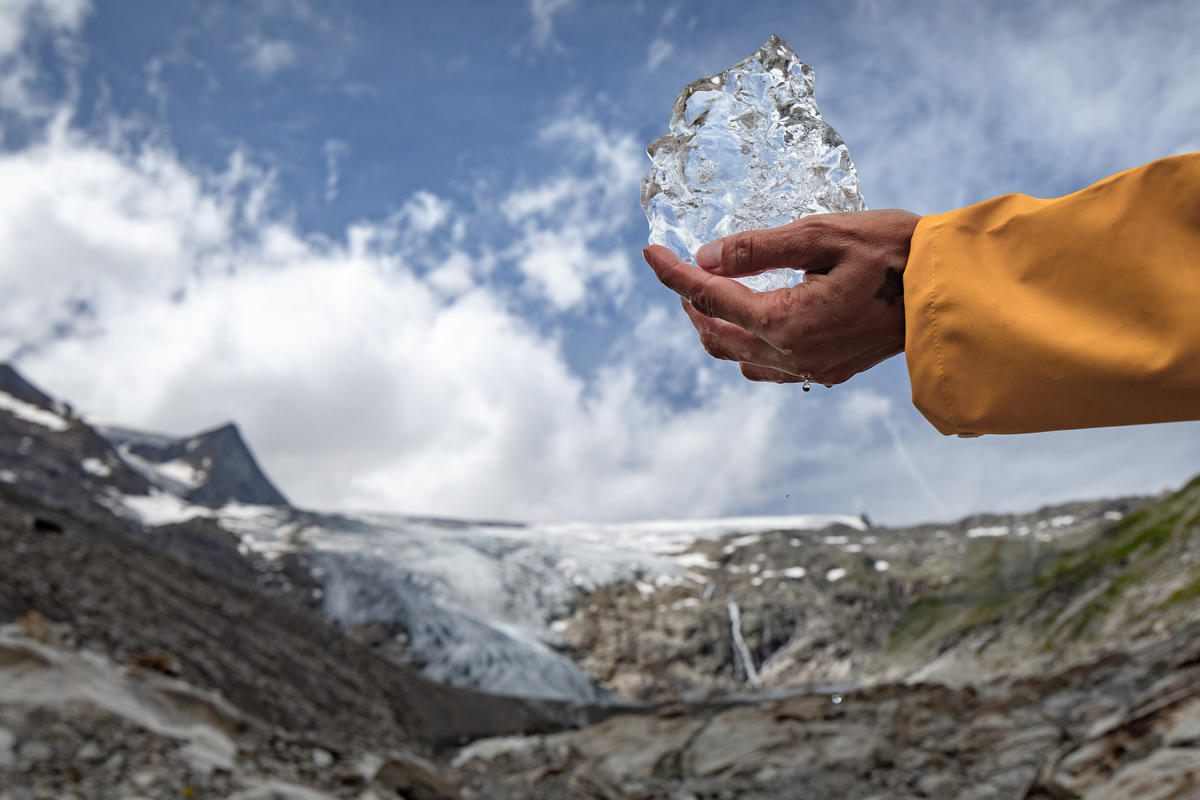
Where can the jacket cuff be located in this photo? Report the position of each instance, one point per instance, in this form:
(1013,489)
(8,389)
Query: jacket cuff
(924,347)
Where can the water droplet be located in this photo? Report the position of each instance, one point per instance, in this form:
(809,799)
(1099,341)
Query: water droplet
(837,699)
(807,385)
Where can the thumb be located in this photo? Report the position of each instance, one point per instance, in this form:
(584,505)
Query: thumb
(803,244)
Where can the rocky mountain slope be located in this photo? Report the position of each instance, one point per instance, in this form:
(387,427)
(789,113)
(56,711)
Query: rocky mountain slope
(170,625)
(845,605)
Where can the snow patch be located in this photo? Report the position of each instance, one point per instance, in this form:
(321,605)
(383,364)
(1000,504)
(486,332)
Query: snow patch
(795,573)
(181,472)
(31,413)
(159,508)
(7,476)
(835,575)
(987,531)
(882,566)
(1062,521)
(96,467)
(695,561)
(1113,516)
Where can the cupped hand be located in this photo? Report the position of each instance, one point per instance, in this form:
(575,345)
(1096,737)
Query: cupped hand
(846,317)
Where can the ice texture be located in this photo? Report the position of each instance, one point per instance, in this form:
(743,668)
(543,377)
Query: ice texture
(747,149)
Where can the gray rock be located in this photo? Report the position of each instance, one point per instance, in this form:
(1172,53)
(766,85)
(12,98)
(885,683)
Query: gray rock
(414,778)
(6,748)
(1167,774)
(89,751)
(33,751)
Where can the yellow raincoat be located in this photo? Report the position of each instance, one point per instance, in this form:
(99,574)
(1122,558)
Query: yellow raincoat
(1026,315)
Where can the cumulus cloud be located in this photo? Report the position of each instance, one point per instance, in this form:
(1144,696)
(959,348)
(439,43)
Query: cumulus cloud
(569,222)
(267,57)
(381,369)
(360,381)
(22,23)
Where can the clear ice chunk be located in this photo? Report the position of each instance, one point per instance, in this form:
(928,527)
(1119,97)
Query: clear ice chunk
(747,149)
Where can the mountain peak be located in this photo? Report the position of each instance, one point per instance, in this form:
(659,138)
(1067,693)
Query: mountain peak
(211,468)
(11,382)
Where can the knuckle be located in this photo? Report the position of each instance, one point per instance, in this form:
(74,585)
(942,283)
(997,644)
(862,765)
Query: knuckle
(777,312)
(763,318)
(744,247)
(704,302)
(819,231)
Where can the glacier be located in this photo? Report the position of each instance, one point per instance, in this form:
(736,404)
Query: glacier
(478,600)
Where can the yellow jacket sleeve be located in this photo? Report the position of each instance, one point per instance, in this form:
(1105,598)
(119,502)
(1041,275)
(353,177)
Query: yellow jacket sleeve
(1027,315)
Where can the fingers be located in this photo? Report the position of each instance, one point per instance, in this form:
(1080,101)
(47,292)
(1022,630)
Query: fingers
(712,295)
(809,244)
(755,372)
(729,342)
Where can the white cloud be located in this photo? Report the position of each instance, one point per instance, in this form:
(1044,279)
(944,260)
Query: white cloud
(569,222)
(17,15)
(361,379)
(425,212)
(559,266)
(23,22)
(659,51)
(335,151)
(267,57)
(1001,104)
(543,12)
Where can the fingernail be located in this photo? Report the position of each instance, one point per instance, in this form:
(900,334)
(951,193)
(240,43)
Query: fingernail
(709,256)
(646,254)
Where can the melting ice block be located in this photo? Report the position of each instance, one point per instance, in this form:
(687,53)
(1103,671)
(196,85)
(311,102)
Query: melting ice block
(747,149)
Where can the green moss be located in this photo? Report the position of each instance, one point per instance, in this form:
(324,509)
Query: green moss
(919,619)
(946,615)
(1187,594)
(1121,556)
(1135,535)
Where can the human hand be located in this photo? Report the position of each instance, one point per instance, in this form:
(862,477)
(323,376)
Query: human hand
(846,317)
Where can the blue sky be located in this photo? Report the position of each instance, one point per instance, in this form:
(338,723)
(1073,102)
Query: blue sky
(399,242)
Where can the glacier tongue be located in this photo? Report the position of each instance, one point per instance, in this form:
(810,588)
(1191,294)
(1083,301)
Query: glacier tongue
(747,149)
(478,600)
